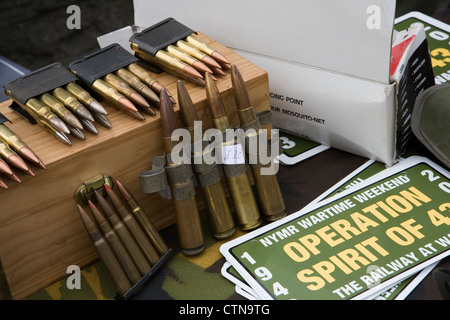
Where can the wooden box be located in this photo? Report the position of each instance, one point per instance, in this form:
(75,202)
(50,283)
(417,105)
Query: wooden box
(41,233)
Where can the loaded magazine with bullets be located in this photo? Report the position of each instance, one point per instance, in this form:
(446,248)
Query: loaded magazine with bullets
(51,98)
(114,111)
(175,49)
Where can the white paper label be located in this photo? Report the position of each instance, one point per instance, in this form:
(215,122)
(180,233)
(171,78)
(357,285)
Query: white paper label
(233,154)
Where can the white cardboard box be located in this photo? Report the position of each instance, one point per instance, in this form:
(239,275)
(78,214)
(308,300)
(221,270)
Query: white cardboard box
(328,62)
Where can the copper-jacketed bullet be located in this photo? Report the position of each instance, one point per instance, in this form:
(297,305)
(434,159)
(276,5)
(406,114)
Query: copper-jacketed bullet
(18,145)
(113,96)
(186,57)
(193,51)
(6,169)
(207,49)
(12,157)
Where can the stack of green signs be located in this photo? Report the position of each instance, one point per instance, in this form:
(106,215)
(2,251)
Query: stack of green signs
(360,240)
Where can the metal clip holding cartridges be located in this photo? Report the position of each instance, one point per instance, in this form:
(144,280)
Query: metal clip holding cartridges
(86,191)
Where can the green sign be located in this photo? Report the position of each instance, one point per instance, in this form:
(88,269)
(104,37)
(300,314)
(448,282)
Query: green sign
(354,244)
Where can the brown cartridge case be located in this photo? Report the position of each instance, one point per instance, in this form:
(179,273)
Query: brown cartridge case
(144,221)
(117,246)
(187,216)
(186,211)
(267,186)
(106,254)
(135,229)
(124,235)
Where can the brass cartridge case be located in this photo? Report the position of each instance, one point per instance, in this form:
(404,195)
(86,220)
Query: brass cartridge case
(267,186)
(193,51)
(209,175)
(163,59)
(39,111)
(60,110)
(200,45)
(244,201)
(5,151)
(12,139)
(78,92)
(182,55)
(218,209)
(107,92)
(118,84)
(43,123)
(72,103)
(55,105)
(85,98)
(175,72)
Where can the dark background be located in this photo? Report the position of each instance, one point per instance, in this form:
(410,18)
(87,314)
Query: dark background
(33,33)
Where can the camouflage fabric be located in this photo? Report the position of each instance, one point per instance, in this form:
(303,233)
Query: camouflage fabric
(180,278)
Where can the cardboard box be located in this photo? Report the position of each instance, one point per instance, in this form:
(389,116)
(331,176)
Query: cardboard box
(41,233)
(328,63)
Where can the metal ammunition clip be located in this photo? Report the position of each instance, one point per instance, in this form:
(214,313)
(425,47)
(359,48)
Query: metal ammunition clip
(162,176)
(86,190)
